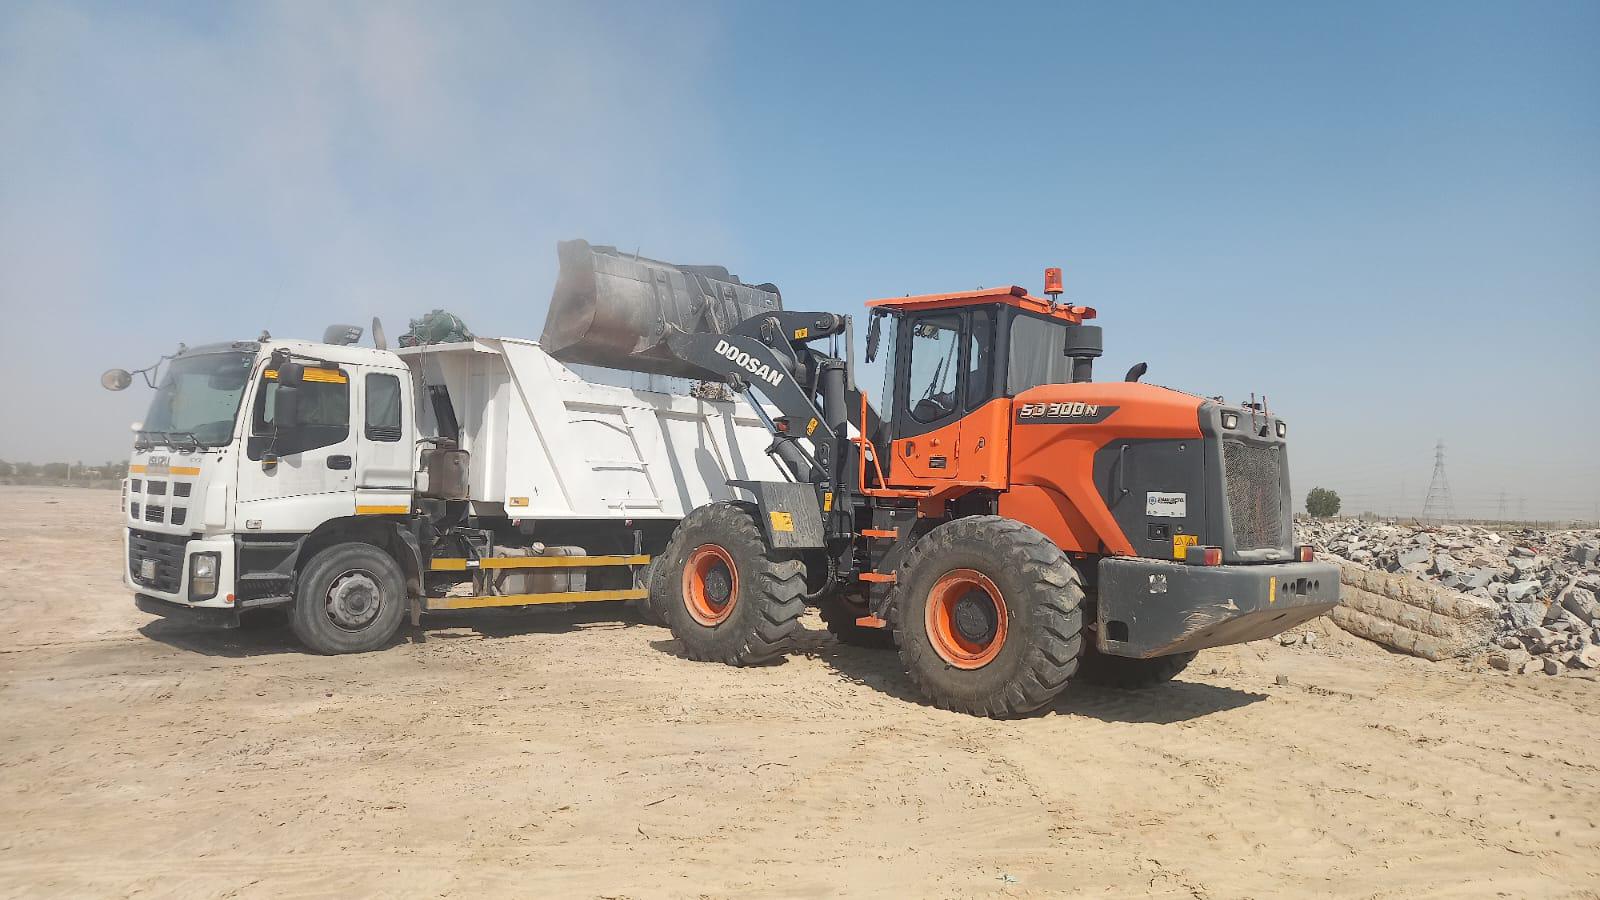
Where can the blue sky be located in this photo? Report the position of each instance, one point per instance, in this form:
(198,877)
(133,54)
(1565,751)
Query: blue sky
(1384,216)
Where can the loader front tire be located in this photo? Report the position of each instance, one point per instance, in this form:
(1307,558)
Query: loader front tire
(986,614)
(350,598)
(727,596)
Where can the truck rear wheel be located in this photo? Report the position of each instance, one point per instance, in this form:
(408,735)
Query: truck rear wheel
(839,613)
(726,595)
(645,607)
(350,598)
(1127,672)
(986,614)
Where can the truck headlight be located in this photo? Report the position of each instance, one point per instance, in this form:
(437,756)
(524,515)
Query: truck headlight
(203,569)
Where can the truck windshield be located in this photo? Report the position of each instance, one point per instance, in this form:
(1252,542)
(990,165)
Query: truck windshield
(1037,354)
(198,399)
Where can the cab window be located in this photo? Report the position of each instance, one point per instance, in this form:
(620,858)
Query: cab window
(324,415)
(383,407)
(935,360)
(980,359)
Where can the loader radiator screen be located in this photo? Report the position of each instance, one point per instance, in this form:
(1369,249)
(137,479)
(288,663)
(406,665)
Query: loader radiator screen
(1254,476)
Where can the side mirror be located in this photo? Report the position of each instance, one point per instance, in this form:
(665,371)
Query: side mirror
(116,379)
(286,406)
(291,374)
(874,336)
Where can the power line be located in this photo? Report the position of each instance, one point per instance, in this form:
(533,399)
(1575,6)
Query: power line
(1439,503)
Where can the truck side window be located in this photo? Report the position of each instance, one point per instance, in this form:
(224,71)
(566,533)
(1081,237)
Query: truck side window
(935,359)
(324,416)
(383,408)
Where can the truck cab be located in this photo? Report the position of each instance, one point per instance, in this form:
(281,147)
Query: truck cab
(216,476)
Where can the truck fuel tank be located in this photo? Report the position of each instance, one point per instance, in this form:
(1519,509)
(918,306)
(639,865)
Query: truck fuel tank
(616,309)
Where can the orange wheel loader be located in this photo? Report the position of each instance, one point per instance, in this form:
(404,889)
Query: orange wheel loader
(1004,521)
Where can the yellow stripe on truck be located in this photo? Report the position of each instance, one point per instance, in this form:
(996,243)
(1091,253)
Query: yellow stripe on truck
(327,376)
(382,510)
(163,470)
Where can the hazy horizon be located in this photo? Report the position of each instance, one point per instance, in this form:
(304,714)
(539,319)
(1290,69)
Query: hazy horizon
(1384,218)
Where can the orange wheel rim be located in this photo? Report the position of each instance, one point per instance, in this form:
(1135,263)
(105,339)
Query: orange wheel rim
(966,619)
(710,584)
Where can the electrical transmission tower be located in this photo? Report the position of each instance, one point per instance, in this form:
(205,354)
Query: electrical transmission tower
(1439,504)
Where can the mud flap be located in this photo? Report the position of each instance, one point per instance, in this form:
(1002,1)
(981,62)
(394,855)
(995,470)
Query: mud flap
(790,515)
(1149,608)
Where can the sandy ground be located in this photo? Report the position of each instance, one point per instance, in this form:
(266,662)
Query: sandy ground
(574,754)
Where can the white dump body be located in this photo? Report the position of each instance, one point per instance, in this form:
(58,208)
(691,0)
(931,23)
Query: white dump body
(551,441)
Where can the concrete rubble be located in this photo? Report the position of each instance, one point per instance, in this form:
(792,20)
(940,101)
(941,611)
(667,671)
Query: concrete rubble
(1543,584)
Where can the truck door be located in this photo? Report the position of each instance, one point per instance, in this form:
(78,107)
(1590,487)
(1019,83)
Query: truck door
(295,476)
(927,408)
(386,443)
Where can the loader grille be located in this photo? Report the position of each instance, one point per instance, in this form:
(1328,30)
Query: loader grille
(167,552)
(1255,503)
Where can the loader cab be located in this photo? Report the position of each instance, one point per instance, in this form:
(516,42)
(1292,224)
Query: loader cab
(952,363)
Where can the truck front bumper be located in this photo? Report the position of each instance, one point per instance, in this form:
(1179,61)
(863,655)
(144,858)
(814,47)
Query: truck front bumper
(1149,607)
(189,614)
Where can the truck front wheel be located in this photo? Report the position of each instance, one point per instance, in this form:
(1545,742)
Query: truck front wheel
(350,598)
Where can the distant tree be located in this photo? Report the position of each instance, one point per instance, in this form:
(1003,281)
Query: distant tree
(1322,503)
(54,470)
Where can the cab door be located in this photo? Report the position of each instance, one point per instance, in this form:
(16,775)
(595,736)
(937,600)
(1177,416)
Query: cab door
(295,476)
(928,398)
(385,447)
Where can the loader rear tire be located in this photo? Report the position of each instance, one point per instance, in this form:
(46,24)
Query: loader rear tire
(350,598)
(986,614)
(1126,672)
(727,596)
(839,613)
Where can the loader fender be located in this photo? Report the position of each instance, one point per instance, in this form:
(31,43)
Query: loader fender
(790,513)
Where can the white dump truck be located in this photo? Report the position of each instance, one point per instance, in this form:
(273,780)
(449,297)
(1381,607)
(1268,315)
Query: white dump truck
(354,485)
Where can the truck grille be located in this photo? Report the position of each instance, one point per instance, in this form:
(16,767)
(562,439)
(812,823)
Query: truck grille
(166,550)
(1254,478)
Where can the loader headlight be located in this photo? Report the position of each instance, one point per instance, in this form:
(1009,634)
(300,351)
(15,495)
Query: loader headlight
(1230,420)
(203,575)
(1283,431)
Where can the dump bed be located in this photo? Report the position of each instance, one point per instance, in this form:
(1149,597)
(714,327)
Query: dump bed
(556,441)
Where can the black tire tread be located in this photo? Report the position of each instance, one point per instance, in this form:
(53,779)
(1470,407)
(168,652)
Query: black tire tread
(306,617)
(1050,660)
(778,579)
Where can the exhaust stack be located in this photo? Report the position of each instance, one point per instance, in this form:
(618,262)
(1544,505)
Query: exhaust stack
(616,309)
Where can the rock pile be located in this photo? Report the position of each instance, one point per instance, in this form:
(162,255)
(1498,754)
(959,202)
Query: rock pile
(1544,582)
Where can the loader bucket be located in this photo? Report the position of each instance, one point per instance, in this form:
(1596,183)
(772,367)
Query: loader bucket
(615,309)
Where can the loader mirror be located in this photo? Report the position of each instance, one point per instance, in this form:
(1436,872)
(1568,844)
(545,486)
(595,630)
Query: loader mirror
(874,336)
